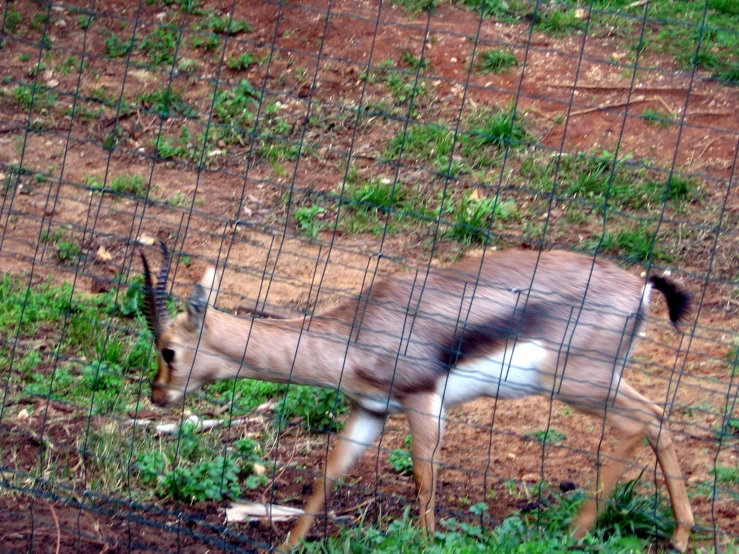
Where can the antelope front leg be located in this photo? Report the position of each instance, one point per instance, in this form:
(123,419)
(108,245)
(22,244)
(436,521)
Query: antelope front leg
(424,412)
(361,431)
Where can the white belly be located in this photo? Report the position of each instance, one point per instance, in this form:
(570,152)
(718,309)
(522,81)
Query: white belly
(511,373)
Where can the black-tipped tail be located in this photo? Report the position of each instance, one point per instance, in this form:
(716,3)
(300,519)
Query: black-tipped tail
(678,301)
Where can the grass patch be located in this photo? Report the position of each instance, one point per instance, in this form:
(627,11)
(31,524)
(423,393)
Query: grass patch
(160,44)
(656,117)
(634,243)
(12,21)
(473,218)
(496,61)
(233,110)
(487,132)
(165,101)
(115,47)
(629,523)
(241,62)
(224,25)
(593,180)
(401,459)
(550,435)
(308,218)
(35,96)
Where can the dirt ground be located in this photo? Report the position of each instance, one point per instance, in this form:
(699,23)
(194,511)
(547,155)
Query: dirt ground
(235,214)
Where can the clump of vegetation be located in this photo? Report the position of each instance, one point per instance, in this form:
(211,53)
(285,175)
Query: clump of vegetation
(241,62)
(12,20)
(551,435)
(233,110)
(224,25)
(496,128)
(160,44)
(401,459)
(473,217)
(655,117)
(115,47)
(317,407)
(35,95)
(558,22)
(634,243)
(629,522)
(496,61)
(211,479)
(165,101)
(308,219)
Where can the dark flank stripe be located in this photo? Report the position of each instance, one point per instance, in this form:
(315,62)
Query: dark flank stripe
(481,338)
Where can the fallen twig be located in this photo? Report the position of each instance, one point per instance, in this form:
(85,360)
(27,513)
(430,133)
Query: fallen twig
(665,105)
(612,105)
(360,505)
(615,87)
(56,522)
(708,112)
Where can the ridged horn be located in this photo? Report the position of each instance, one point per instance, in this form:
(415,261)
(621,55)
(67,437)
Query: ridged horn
(154,307)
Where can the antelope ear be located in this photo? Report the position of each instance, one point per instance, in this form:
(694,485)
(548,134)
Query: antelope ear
(203,295)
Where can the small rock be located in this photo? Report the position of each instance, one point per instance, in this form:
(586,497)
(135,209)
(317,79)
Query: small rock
(453,60)
(52,83)
(511,456)
(23,414)
(146,240)
(103,255)
(531,478)
(259,469)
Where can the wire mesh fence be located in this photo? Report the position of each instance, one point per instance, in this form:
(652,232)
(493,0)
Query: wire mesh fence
(313,150)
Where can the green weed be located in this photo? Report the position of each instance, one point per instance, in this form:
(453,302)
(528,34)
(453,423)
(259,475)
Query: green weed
(117,48)
(12,21)
(657,118)
(241,62)
(160,44)
(425,143)
(308,219)
(550,435)
(496,128)
(224,25)
(134,185)
(186,65)
(317,407)
(165,101)
(85,21)
(558,23)
(400,459)
(67,251)
(728,7)
(233,110)
(415,62)
(415,6)
(496,61)
(37,96)
(726,475)
(473,217)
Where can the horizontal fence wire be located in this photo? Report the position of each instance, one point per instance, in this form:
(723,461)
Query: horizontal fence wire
(334,161)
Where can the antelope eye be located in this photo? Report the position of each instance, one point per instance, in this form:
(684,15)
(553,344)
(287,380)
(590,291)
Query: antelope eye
(168,355)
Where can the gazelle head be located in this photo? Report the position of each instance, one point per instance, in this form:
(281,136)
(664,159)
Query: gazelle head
(185,362)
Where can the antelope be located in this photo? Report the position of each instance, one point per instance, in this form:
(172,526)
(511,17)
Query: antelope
(511,324)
